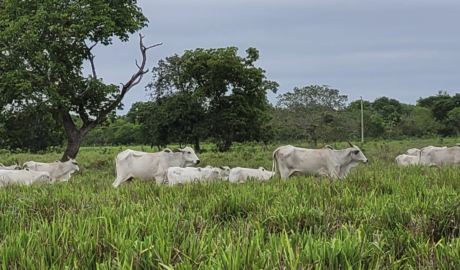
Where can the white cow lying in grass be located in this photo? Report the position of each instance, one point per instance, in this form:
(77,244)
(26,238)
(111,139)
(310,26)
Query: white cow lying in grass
(11,167)
(24,177)
(406,160)
(224,171)
(239,174)
(58,171)
(179,175)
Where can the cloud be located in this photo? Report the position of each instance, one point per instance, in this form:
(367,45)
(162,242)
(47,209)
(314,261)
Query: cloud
(402,49)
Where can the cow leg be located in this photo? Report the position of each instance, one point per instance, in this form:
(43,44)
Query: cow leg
(285,173)
(121,179)
(160,178)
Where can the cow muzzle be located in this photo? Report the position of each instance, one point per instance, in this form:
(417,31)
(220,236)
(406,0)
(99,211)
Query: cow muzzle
(197,161)
(366,161)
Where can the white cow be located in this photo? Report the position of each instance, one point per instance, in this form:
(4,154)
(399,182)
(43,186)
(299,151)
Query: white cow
(11,167)
(239,174)
(440,156)
(290,160)
(416,151)
(179,175)
(58,171)
(224,171)
(151,166)
(25,177)
(406,160)
(413,152)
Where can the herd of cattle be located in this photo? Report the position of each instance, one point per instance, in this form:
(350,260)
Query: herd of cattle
(430,156)
(168,167)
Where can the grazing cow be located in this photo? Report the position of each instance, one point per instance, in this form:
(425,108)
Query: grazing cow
(25,177)
(58,171)
(406,160)
(151,166)
(239,174)
(224,171)
(290,160)
(179,175)
(440,156)
(11,167)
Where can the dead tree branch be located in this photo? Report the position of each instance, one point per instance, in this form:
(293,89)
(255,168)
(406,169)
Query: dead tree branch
(93,68)
(135,79)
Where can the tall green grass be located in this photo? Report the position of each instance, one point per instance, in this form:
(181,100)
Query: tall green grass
(380,217)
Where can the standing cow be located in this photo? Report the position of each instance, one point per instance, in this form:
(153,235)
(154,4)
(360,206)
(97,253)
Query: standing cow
(290,160)
(151,166)
(58,171)
(440,156)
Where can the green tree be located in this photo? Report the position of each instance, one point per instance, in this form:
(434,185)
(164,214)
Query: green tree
(44,45)
(153,122)
(230,88)
(419,123)
(312,109)
(30,129)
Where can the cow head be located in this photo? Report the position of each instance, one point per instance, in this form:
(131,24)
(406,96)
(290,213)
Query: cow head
(73,164)
(356,154)
(224,171)
(413,152)
(189,155)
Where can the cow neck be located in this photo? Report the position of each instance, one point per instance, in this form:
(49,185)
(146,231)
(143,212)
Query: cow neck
(346,163)
(176,160)
(61,166)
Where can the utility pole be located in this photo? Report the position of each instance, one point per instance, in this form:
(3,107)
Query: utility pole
(362,121)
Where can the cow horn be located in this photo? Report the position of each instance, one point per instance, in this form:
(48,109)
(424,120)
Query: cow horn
(351,145)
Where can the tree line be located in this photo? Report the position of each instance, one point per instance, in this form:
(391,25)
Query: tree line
(204,95)
(314,114)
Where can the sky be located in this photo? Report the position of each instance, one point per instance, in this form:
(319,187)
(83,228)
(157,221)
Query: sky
(370,48)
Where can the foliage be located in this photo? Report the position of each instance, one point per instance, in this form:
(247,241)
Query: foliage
(313,108)
(216,94)
(381,216)
(44,46)
(30,129)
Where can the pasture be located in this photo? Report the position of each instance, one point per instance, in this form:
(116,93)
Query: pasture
(380,217)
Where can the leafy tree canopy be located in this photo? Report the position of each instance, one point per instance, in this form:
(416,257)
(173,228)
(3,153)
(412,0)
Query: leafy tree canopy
(44,45)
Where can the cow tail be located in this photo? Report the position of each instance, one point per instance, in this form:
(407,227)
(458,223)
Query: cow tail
(275,168)
(420,157)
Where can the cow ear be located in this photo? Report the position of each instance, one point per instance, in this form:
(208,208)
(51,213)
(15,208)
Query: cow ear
(355,152)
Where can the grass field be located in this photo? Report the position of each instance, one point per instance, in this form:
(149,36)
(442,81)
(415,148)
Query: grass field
(380,217)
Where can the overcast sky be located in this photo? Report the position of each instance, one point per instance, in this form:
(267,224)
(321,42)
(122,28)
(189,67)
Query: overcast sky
(400,49)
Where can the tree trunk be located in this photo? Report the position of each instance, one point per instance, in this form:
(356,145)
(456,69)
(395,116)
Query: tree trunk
(196,141)
(73,146)
(229,140)
(74,137)
(313,137)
